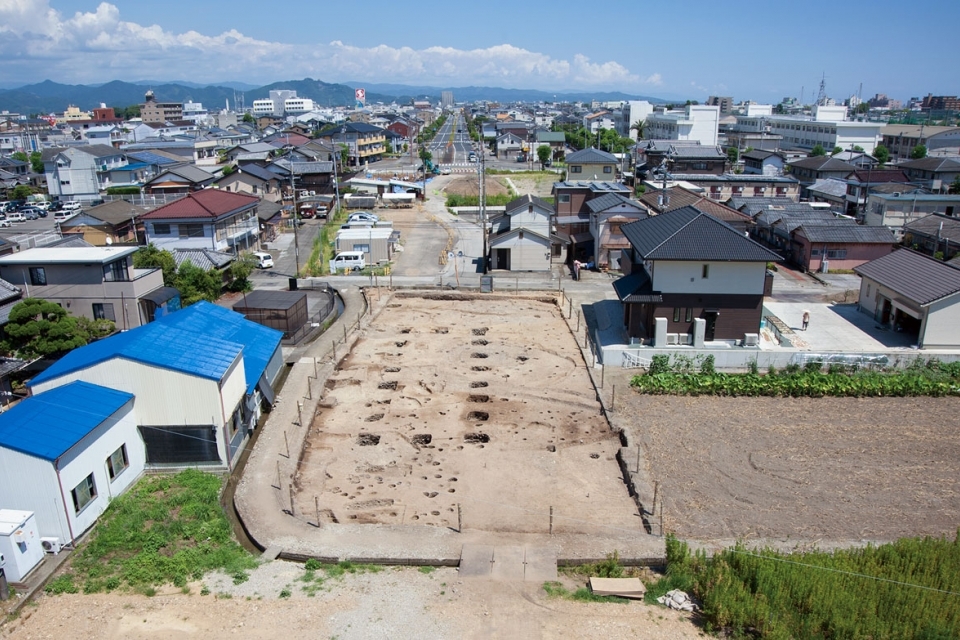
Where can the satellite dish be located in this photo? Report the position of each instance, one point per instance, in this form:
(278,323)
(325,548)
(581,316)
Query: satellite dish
(109,241)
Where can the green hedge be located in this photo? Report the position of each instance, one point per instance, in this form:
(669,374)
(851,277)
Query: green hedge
(907,589)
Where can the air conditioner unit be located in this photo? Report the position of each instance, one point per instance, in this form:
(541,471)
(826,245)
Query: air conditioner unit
(751,339)
(686,338)
(672,338)
(51,545)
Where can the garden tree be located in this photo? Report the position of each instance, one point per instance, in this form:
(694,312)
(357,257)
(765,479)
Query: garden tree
(96,329)
(863,107)
(733,154)
(818,150)
(918,152)
(227,170)
(882,154)
(21,192)
(39,328)
(195,284)
(150,256)
(240,270)
(248,118)
(35,160)
(344,156)
(955,186)
(424,154)
(837,149)
(858,148)
(543,154)
(640,127)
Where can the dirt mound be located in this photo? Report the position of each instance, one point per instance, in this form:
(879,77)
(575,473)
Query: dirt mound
(470,186)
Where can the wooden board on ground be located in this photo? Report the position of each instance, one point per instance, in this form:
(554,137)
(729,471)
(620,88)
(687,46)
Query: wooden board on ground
(622,587)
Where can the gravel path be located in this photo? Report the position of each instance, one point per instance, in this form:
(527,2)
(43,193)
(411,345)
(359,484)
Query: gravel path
(393,602)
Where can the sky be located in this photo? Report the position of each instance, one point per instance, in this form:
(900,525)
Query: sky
(762,51)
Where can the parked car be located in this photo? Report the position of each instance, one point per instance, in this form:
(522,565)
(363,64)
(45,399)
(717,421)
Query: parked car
(363,216)
(5,223)
(62,216)
(16,216)
(348,261)
(56,206)
(264,260)
(73,205)
(30,213)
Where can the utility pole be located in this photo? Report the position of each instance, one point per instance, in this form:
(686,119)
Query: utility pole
(483,202)
(296,237)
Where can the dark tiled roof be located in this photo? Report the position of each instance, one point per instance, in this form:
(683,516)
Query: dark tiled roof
(878,175)
(115,212)
(699,152)
(850,233)
(931,164)
(610,200)
(188,172)
(591,155)
(913,275)
(206,259)
(690,234)
(823,163)
(945,226)
(522,201)
(758,154)
(208,203)
(257,172)
(636,287)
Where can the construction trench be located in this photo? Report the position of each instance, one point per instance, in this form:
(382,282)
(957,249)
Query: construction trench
(453,419)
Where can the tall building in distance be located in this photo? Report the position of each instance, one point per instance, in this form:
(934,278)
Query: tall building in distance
(724,102)
(446,99)
(153,112)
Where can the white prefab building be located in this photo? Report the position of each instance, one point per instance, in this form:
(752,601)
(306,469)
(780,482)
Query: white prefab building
(520,237)
(20,546)
(694,122)
(66,452)
(198,374)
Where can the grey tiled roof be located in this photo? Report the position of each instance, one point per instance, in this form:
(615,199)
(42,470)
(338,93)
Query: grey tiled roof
(591,155)
(691,152)
(690,234)
(823,163)
(830,187)
(931,164)
(849,233)
(206,259)
(609,200)
(913,275)
(525,200)
(945,226)
(636,287)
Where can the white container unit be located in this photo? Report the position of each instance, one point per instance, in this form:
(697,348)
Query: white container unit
(20,546)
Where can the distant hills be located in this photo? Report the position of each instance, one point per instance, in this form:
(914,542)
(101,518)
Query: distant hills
(53,97)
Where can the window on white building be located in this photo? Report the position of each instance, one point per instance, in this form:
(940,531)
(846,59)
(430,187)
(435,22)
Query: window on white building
(84,493)
(117,462)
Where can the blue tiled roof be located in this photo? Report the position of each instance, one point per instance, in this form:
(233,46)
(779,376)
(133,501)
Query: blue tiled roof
(49,424)
(206,319)
(157,344)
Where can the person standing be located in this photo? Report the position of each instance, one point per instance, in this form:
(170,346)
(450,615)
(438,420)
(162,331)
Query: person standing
(806,320)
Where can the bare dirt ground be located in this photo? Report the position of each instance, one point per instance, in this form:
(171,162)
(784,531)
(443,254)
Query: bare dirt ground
(478,402)
(468,185)
(805,469)
(539,185)
(394,603)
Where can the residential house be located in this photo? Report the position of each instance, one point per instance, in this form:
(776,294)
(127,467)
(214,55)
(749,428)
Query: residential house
(66,453)
(766,163)
(509,146)
(591,164)
(254,180)
(260,152)
(115,222)
(932,172)
(365,143)
(316,176)
(809,170)
(608,213)
(734,185)
(572,216)
(556,140)
(839,244)
(199,376)
(829,190)
(861,180)
(896,209)
(286,139)
(900,139)
(208,219)
(934,234)
(520,238)
(679,197)
(183,179)
(79,173)
(93,282)
(688,274)
(914,294)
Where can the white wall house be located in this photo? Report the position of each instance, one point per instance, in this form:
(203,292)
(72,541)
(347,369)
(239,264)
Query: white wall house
(74,173)
(66,453)
(206,219)
(196,400)
(520,238)
(693,122)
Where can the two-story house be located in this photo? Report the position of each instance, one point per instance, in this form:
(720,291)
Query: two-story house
(183,179)
(809,170)
(254,180)
(572,215)
(520,237)
(932,172)
(93,282)
(591,164)
(207,219)
(608,214)
(78,173)
(687,273)
(364,142)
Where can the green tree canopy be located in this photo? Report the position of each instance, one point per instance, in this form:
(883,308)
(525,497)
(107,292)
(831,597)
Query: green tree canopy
(21,192)
(543,154)
(818,151)
(425,153)
(733,154)
(882,154)
(918,152)
(837,149)
(240,270)
(248,118)
(640,126)
(39,328)
(151,257)
(195,284)
(955,186)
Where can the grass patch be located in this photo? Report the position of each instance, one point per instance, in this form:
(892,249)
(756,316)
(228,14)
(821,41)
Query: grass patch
(427,570)
(906,589)
(318,263)
(497,200)
(583,594)
(165,530)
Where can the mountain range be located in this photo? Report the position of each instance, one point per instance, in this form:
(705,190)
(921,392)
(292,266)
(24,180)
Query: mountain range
(53,97)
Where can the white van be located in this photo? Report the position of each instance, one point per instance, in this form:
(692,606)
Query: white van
(16,216)
(264,260)
(73,205)
(348,261)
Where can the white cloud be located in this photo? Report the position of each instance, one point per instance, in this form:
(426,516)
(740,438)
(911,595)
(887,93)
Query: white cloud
(38,42)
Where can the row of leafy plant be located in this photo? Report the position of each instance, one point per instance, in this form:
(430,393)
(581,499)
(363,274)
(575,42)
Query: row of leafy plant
(907,589)
(497,200)
(922,378)
(166,529)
